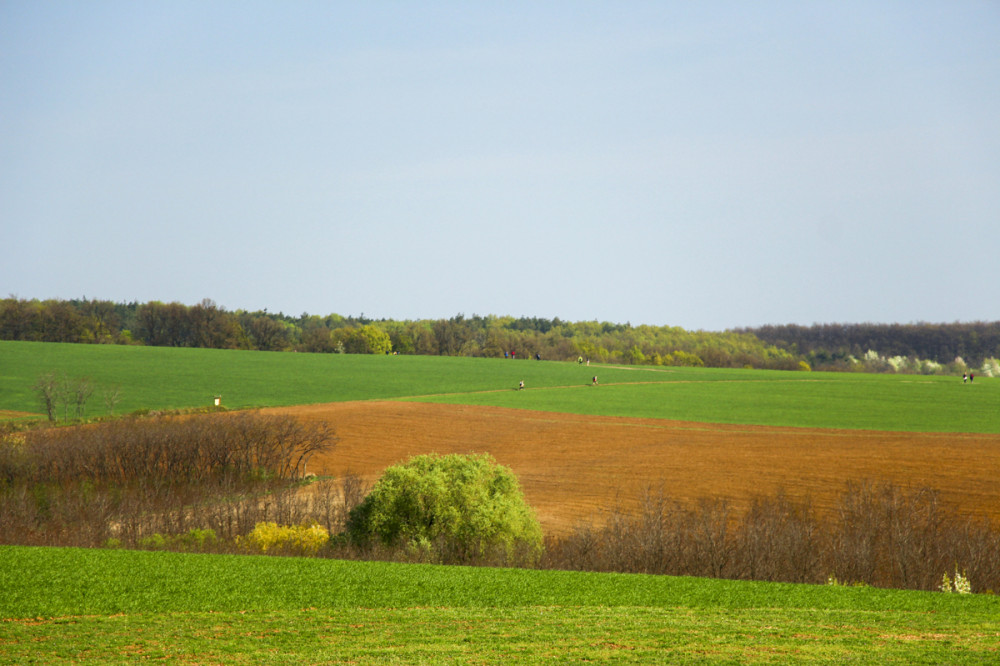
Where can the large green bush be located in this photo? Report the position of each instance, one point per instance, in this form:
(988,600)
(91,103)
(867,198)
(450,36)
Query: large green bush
(455,508)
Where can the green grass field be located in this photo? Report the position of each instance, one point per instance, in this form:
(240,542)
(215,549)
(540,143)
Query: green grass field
(811,400)
(62,605)
(169,378)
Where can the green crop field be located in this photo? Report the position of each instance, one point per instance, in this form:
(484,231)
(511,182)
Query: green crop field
(97,606)
(171,378)
(811,400)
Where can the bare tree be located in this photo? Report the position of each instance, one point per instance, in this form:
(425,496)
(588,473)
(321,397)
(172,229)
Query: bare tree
(112,396)
(47,388)
(82,389)
(64,393)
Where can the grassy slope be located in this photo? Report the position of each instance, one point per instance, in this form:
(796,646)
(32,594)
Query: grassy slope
(812,400)
(162,378)
(98,605)
(159,378)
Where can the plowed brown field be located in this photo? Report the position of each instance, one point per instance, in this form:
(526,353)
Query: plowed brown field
(574,468)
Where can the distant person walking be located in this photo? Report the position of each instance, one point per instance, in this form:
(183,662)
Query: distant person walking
(520,387)
(594,381)
(965,377)
(972,376)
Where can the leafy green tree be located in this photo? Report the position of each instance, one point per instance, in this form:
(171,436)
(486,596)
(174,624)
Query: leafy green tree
(424,340)
(367,339)
(399,336)
(163,324)
(212,327)
(681,357)
(317,340)
(451,334)
(269,332)
(102,322)
(376,341)
(635,355)
(20,319)
(463,508)
(61,322)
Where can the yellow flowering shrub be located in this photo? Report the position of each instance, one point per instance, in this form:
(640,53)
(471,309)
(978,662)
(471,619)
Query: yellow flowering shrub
(285,539)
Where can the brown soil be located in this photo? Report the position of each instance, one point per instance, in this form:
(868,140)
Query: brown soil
(9,414)
(574,468)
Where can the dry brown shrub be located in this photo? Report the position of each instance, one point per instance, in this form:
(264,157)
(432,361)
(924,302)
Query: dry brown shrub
(133,477)
(881,535)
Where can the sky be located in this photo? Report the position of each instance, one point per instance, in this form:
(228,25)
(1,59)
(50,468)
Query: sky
(708,165)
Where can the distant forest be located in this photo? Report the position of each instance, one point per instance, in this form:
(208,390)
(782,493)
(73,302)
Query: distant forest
(832,346)
(926,348)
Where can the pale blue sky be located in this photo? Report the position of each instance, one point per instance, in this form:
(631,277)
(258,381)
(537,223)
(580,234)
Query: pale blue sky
(699,164)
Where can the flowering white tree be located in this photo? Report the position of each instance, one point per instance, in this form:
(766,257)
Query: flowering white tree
(898,363)
(929,367)
(959,584)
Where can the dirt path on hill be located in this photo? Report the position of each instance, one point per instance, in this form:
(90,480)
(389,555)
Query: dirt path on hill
(574,468)
(9,414)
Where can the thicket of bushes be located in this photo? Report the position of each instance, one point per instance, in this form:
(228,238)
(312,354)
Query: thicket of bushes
(879,534)
(236,483)
(132,478)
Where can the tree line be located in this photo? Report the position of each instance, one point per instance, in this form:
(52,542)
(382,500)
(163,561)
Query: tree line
(787,347)
(839,346)
(211,326)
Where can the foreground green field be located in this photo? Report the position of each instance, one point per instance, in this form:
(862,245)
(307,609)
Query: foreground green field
(62,605)
(171,378)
